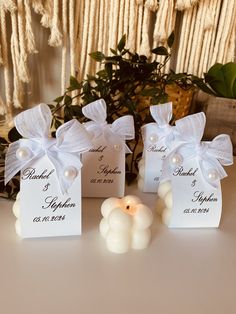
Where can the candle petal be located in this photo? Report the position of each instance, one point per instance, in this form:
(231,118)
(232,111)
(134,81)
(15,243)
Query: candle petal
(109,204)
(143,217)
(119,220)
(118,242)
(140,239)
(104,227)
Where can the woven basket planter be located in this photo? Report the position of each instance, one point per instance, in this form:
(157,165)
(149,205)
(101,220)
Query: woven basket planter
(181,100)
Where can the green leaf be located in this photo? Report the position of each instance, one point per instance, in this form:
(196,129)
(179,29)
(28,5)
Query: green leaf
(13,135)
(150,91)
(171,39)
(215,78)
(59,99)
(102,73)
(161,51)
(97,56)
(203,86)
(113,51)
(3,141)
(229,72)
(74,82)
(121,43)
(86,87)
(67,100)
(108,67)
(234,90)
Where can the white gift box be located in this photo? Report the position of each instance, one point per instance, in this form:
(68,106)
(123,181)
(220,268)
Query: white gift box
(103,173)
(193,197)
(155,136)
(50,186)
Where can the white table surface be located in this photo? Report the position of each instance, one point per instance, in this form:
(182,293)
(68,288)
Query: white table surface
(182,271)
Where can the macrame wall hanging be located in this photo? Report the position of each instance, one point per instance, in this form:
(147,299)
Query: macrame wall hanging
(205,31)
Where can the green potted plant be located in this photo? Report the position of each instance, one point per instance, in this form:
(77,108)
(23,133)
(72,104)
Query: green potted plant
(217,98)
(129,83)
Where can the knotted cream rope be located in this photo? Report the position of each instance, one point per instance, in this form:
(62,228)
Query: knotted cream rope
(205,34)
(6,69)
(64,45)
(55,38)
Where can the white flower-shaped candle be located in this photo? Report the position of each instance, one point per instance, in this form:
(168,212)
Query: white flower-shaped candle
(125,224)
(165,201)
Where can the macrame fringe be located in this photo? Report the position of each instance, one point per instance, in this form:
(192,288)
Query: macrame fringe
(206,28)
(29,31)
(152,5)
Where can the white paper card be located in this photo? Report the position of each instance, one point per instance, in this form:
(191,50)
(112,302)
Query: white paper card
(154,155)
(103,172)
(195,203)
(44,210)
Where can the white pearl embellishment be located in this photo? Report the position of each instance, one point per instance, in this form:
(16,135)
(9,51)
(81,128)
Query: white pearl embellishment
(117,147)
(70,173)
(176,160)
(212,175)
(23,153)
(153,138)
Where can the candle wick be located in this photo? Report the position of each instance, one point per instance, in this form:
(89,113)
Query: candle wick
(127,207)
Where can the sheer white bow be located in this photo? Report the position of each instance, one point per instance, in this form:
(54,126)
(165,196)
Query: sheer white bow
(160,129)
(63,151)
(120,130)
(211,155)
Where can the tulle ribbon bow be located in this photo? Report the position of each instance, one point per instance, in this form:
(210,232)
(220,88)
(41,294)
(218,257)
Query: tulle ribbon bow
(63,151)
(120,130)
(160,129)
(211,156)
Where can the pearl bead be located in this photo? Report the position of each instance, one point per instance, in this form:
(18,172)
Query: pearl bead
(176,160)
(212,175)
(117,147)
(70,173)
(23,153)
(153,138)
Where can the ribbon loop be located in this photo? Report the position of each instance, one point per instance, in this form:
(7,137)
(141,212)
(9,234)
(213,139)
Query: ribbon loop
(96,111)
(35,122)
(210,155)
(162,113)
(121,129)
(191,128)
(64,151)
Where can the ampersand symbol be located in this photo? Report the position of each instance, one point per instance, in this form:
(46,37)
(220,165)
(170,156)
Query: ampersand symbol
(100,158)
(194,183)
(46,187)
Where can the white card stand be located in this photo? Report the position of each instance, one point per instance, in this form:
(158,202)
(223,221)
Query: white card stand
(194,203)
(103,172)
(150,169)
(44,210)
(155,136)
(193,198)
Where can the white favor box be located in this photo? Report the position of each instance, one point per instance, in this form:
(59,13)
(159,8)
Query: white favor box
(103,172)
(44,210)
